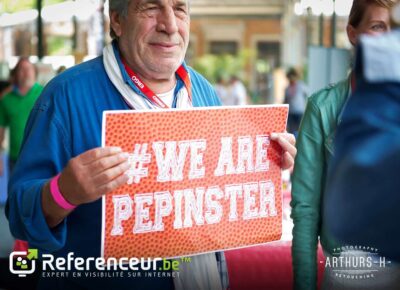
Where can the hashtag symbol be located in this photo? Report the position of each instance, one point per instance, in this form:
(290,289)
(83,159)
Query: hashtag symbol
(137,162)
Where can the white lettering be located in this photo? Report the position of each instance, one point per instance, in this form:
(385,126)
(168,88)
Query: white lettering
(170,166)
(46,262)
(197,169)
(262,163)
(245,155)
(267,198)
(137,82)
(193,207)
(225,158)
(232,192)
(142,213)
(213,205)
(163,208)
(178,194)
(250,210)
(122,212)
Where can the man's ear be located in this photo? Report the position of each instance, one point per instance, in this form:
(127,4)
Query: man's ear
(351,34)
(115,22)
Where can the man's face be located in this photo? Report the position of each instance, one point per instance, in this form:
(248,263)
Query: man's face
(154,36)
(25,75)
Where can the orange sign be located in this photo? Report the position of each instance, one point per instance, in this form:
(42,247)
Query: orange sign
(200,180)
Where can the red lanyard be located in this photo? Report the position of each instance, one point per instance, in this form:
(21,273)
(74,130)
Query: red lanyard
(151,96)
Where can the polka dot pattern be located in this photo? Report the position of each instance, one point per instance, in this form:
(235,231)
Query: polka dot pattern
(127,129)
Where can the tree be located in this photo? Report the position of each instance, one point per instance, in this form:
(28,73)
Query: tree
(225,66)
(10,6)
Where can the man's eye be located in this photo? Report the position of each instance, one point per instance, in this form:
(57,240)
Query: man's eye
(151,8)
(181,9)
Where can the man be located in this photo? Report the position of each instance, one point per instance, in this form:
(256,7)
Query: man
(16,106)
(296,95)
(151,38)
(238,92)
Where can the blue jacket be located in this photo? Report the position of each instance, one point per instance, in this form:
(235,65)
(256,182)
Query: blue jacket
(362,196)
(65,122)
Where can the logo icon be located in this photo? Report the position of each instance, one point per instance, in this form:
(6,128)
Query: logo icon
(356,262)
(23,263)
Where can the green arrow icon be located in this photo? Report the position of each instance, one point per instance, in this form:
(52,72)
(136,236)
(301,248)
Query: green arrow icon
(33,254)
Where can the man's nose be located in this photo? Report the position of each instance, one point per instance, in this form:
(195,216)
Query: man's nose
(167,21)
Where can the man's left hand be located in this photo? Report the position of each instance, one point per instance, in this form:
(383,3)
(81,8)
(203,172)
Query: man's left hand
(287,142)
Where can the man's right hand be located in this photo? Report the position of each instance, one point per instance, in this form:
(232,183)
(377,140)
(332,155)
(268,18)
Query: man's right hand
(92,174)
(86,178)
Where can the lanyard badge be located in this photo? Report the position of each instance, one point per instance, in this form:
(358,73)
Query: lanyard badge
(150,95)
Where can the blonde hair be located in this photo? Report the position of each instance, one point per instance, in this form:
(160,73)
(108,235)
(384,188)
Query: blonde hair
(395,15)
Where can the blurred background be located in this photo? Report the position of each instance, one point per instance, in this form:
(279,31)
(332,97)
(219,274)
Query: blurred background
(256,40)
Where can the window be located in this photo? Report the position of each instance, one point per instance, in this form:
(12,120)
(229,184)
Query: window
(223,47)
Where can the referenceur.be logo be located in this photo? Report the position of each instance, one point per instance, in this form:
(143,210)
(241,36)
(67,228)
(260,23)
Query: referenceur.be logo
(23,263)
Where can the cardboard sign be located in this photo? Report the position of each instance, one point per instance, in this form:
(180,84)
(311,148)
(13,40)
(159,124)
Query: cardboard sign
(200,180)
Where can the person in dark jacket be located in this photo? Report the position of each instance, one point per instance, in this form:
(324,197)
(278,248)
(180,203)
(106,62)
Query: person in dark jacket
(363,181)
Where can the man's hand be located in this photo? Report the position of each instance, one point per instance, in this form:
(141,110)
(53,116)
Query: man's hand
(93,173)
(86,178)
(287,142)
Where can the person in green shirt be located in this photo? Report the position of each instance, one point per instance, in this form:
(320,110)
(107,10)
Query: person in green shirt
(16,106)
(315,149)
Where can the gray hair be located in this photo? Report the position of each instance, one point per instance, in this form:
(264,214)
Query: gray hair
(121,7)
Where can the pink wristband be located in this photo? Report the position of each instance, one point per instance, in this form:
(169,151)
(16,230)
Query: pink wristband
(57,196)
